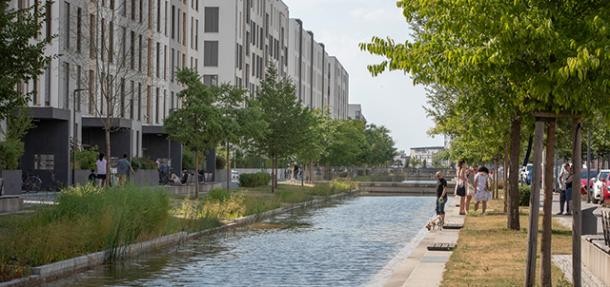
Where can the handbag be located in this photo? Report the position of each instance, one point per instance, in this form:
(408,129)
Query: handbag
(461,190)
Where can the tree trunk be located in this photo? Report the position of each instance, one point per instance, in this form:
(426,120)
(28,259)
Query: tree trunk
(547,221)
(273,177)
(495,179)
(197,175)
(513,198)
(108,153)
(506,169)
(228,165)
(576,212)
(532,231)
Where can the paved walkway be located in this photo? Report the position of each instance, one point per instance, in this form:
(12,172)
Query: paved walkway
(422,267)
(564,262)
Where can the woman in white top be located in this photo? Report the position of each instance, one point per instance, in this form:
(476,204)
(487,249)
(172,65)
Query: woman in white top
(101,165)
(481,188)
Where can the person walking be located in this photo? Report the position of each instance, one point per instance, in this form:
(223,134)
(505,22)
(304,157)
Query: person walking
(568,196)
(470,174)
(563,176)
(481,189)
(124,170)
(101,165)
(460,187)
(441,197)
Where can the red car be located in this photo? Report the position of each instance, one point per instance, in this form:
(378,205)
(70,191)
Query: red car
(583,180)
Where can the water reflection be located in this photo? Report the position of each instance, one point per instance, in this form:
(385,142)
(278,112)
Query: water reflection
(342,244)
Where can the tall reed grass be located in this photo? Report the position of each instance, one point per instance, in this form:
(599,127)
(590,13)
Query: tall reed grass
(86,219)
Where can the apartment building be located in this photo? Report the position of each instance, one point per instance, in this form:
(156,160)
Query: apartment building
(117,60)
(114,59)
(339,89)
(320,80)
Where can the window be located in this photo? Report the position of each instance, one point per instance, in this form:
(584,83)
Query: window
(172,103)
(139,106)
(133,10)
(165,62)
(67,23)
(211,20)
(173,66)
(79,31)
(197,34)
(48,20)
(140,11)
(210,53)
(165,19)
(148,104)
(92,36)
(132,50)
(210,80)
(164,104)
(122,91)
(66,100)
(78,87)
(91,83)
(137,143)
(159,16)
(173,22)
(140,53)
(157,106)
(47,90)
(111,42)
(158,54)
(103,39)
(184,29)
(132,92)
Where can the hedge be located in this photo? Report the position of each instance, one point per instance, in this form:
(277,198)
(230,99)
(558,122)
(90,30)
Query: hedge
(254,179)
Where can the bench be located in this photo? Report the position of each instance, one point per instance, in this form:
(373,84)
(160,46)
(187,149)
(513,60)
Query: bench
(606,225)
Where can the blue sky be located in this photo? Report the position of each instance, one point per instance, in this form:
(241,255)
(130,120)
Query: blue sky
(390,99)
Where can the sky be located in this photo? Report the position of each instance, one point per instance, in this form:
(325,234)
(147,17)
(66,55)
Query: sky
(390,99)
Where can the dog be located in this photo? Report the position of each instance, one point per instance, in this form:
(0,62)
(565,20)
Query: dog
(435,223)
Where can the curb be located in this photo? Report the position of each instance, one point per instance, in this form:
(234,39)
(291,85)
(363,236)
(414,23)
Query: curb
(53,271)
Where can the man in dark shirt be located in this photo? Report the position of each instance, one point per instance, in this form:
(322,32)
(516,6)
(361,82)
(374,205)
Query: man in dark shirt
(441,196)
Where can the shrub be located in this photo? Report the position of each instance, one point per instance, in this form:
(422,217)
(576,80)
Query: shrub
(254,180)
(85,159)
(524,195)
(143,163)
(342,185)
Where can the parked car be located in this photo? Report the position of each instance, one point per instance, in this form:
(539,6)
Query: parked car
(600,187)
(234,176)
(584,178)
(527,173)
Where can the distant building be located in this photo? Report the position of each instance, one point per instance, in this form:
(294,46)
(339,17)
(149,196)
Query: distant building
(424,156)
(400,159)
(355,112)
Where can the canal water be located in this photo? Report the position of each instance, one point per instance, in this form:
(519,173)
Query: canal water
(344,243)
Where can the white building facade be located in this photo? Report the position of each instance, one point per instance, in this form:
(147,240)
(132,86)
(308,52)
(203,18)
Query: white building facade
(130,51)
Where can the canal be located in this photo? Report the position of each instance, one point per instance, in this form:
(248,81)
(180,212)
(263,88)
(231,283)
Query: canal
(343,243)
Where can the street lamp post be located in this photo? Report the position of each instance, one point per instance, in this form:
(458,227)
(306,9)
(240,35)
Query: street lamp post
(74,135)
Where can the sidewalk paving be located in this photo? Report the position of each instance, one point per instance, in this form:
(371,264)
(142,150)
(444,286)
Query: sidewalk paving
(425,268)
(564,262)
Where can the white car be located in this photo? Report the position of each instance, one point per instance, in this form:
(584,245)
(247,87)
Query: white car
(234,176)
(600,187)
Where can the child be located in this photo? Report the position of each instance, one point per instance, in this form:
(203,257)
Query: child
(481,188)
(441,200)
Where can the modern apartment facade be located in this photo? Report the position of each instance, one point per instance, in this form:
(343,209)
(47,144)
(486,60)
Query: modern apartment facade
(355,112)
(115,67)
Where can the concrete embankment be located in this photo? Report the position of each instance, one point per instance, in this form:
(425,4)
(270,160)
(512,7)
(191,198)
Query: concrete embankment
(61,269)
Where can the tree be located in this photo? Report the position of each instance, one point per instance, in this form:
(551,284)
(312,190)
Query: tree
(548,56)
(241,120)
(318,132)
(285,120)
(23,58)
(380,146)
(348,146)
(198,123)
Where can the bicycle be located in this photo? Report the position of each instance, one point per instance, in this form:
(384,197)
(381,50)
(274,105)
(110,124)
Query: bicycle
(31,184)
